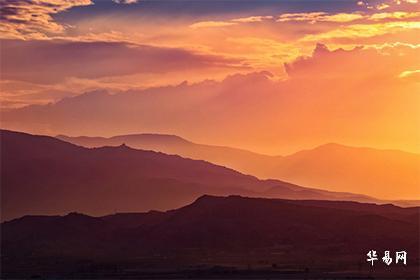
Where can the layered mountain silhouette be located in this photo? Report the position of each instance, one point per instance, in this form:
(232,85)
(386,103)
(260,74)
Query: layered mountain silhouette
(44,175)
(236,232)
(388,174)
(238,159)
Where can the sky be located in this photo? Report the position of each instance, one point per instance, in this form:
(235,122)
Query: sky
(269,76)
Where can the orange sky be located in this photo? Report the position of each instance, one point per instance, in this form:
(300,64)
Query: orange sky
(359,86)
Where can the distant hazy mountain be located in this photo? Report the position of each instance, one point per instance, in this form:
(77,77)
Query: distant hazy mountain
(231,231)
(44,175)
(387,174)
(238,159)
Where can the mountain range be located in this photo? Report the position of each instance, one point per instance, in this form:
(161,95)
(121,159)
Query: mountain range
(232,233)
(45,175)
(386,174)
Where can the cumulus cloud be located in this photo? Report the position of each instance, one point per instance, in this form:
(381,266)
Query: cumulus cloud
(388,60)
(32,19)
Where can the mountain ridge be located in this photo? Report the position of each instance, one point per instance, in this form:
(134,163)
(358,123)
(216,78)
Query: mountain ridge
(62,177)
(332,166)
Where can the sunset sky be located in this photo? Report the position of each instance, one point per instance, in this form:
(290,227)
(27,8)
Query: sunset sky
(270,76)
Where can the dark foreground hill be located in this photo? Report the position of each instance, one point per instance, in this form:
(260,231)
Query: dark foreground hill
(224,237)
(44,175)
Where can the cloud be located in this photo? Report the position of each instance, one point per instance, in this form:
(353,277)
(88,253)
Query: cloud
(235,21)
(394,15)
(18,94)
(207,24)
(322,58)
(32,19)
(346,17)
(338,95)
(263,53)
(398,2)
(54,61)
(319,17)
(356,63)
(392,48)
(357,31)
(126,2)
(388,4)
(252,19)
(410,74)
(382,6)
